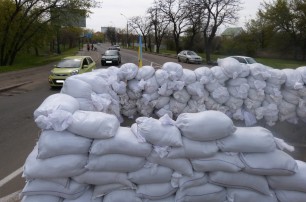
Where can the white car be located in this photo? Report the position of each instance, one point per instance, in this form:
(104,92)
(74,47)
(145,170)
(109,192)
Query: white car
(244,59)
(189,57)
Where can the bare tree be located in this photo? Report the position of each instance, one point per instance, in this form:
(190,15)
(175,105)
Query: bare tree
(142,25)
(23,19)
(160,25)
(215,13)
(176,13)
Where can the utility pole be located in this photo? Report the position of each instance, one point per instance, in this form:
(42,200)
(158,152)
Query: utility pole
(127,30)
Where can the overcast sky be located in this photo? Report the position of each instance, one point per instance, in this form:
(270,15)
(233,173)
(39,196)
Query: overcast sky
(110,12)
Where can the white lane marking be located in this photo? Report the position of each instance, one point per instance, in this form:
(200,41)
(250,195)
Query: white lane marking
(11,176)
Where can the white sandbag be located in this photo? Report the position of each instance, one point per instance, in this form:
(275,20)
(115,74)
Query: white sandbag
(58,120)
(76,88)
(243,195)
(291,96)
(164,91)
(97,125)
(174,70)
(203,193)
(127,71)
(197,179)
(133,85)
(55,167)
(98,84)
(161,76)
(212,85)
(238,88)
(240,180)
(219,75)
(148,97)
(204,75)
(160,132)
(260,71)
(163,111)
(55,102)
(115,163)
(294,79)
(124,142)
(168,199)
(255,83)
(220,95)
(145,72)
(72,190)
(151,175)
(86,104)
(180,165)
(103,178)
(230,67)
(193,149)
(155,191)
(86,196)
(161,102)
(188,77)
(285,196)
(276,162)
(294,182)
(133,95)
(197,89)
(278,77)
(248,139)
(101,190)
(52,143)
(205,126)
(150,85)
(234,103)
(228,162)
(175,85)
(176,107)
(118,86)
(121,195)
(302,71)
(257,95)
(181,95)
(40,198)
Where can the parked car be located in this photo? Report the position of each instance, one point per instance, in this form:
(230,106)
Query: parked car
(244,59)
(111,57)
(189,57)
(113,48)
(69,66)
(118,47)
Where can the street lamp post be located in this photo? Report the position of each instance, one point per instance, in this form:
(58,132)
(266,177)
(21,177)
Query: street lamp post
(127,30)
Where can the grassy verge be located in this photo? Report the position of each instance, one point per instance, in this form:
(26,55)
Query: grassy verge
(29,61)
(275,63)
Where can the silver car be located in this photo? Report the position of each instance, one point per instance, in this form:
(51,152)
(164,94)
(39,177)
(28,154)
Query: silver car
(189,57)
(244,59)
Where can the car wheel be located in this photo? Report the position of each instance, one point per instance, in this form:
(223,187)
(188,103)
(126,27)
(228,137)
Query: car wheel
(102,63)
(178,59)
(187,61)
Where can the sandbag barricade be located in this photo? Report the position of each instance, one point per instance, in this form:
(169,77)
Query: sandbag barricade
(183,146)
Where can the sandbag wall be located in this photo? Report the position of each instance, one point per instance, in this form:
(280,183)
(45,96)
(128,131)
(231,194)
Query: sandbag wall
(198,157)
(192,152)
(244,92)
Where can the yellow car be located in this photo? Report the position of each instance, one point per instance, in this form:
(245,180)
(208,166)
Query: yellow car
(70,66)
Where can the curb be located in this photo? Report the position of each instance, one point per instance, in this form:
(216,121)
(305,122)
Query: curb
(14,86)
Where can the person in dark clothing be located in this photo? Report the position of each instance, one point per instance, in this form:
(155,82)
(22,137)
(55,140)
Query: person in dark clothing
(88,47)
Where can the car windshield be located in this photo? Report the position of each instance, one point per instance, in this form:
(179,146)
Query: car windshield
(69,63)
(110,52)
(191,53)
(250,60)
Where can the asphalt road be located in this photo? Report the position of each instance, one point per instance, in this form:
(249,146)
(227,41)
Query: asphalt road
(21,93)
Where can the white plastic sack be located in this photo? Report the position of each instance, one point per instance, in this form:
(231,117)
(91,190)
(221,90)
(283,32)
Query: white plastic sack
(94,124)
(205,126)
(76,88)
(121,195)
(155,191)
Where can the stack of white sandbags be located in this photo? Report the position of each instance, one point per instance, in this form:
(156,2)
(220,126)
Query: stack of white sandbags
(244,92)
(198,157)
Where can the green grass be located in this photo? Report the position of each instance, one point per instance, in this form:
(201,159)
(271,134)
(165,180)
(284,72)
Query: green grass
(29,61)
